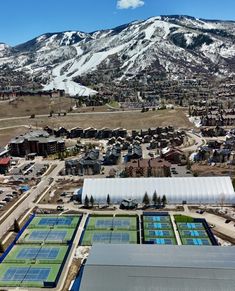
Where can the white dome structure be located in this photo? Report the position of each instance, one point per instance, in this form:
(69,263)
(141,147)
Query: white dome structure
(192,190)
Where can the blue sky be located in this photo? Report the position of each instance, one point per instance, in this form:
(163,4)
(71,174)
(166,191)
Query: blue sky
(22,20)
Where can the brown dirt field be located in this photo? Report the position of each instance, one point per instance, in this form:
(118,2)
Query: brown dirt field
(28,105)
(218,170)
(73,271)
(7,134)
(128,120)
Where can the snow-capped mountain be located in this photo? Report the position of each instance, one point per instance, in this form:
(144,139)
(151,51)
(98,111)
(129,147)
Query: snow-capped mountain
(176,45)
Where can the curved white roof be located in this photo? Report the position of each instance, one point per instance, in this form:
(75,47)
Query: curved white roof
(196,190)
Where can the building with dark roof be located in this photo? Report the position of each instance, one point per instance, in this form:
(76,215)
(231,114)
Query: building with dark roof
(38,142)
(148,168)
(151,267)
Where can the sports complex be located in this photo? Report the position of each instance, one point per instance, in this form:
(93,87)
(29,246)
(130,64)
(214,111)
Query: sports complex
(37,258)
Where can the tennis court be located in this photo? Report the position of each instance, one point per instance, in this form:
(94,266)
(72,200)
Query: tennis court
(184,225)
(48,236)
(54,221)
(22,254)
(110,223)
(151,218)
(193,233)
(158,233)
(196,241)
(157,225)
(30,275)
(93,237)
(162,241)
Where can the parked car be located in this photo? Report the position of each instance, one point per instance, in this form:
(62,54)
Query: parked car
(60,208)
(227,220)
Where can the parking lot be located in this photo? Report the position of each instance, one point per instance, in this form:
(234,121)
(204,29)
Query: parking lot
(29,170)
(7,197)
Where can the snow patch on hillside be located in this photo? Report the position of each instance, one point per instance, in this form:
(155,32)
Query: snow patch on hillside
(71,88)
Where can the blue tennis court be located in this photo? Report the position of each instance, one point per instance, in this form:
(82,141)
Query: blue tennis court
(162,241)
(120,237)
(26,274)
(194,233)
(55,221)
(197,241)
(55,235)
(101,237)
(156,218)
(159,233)
(121,222)
(158,226)
(104,223)
(190,225)
(38,253)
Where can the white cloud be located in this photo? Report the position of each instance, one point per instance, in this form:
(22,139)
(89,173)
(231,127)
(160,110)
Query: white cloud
(126,4)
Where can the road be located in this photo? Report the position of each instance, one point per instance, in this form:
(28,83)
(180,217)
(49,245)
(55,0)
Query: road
(70,114)
(28,201)
(198,141)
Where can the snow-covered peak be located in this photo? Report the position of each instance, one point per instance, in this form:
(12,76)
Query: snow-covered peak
(176,45)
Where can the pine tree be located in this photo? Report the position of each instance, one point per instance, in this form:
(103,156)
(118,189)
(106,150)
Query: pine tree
(86,202)
(16,226)
(158,200)
(1,247)
(164,200)
(92,201)
(108,200)
(154,199)
(146,199)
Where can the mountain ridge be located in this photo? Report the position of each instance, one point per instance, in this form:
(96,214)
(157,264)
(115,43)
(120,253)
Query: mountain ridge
(177,46)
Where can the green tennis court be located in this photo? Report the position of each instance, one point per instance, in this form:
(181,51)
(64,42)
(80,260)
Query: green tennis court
(98,236)
(157,225)
(112,223)
(19,275)
(47,236)
(193,233)
(196,241)
(65,221)
(158,233)
(190,225)
(25,254)
(161,241)
(157,218)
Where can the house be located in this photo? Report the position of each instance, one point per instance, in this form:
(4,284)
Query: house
(90,132)
(76,132)
(89,164)
(134,152)
(173,155)
(128,204)
(112,155)
(105,133)
(120,132)
(5,165)
(61,132)
(4,152)
(148,168)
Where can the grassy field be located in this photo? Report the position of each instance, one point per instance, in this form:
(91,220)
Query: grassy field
(28,105)
(128,120)
(7,134)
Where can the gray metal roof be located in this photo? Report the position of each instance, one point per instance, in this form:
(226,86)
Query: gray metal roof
(155,268)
